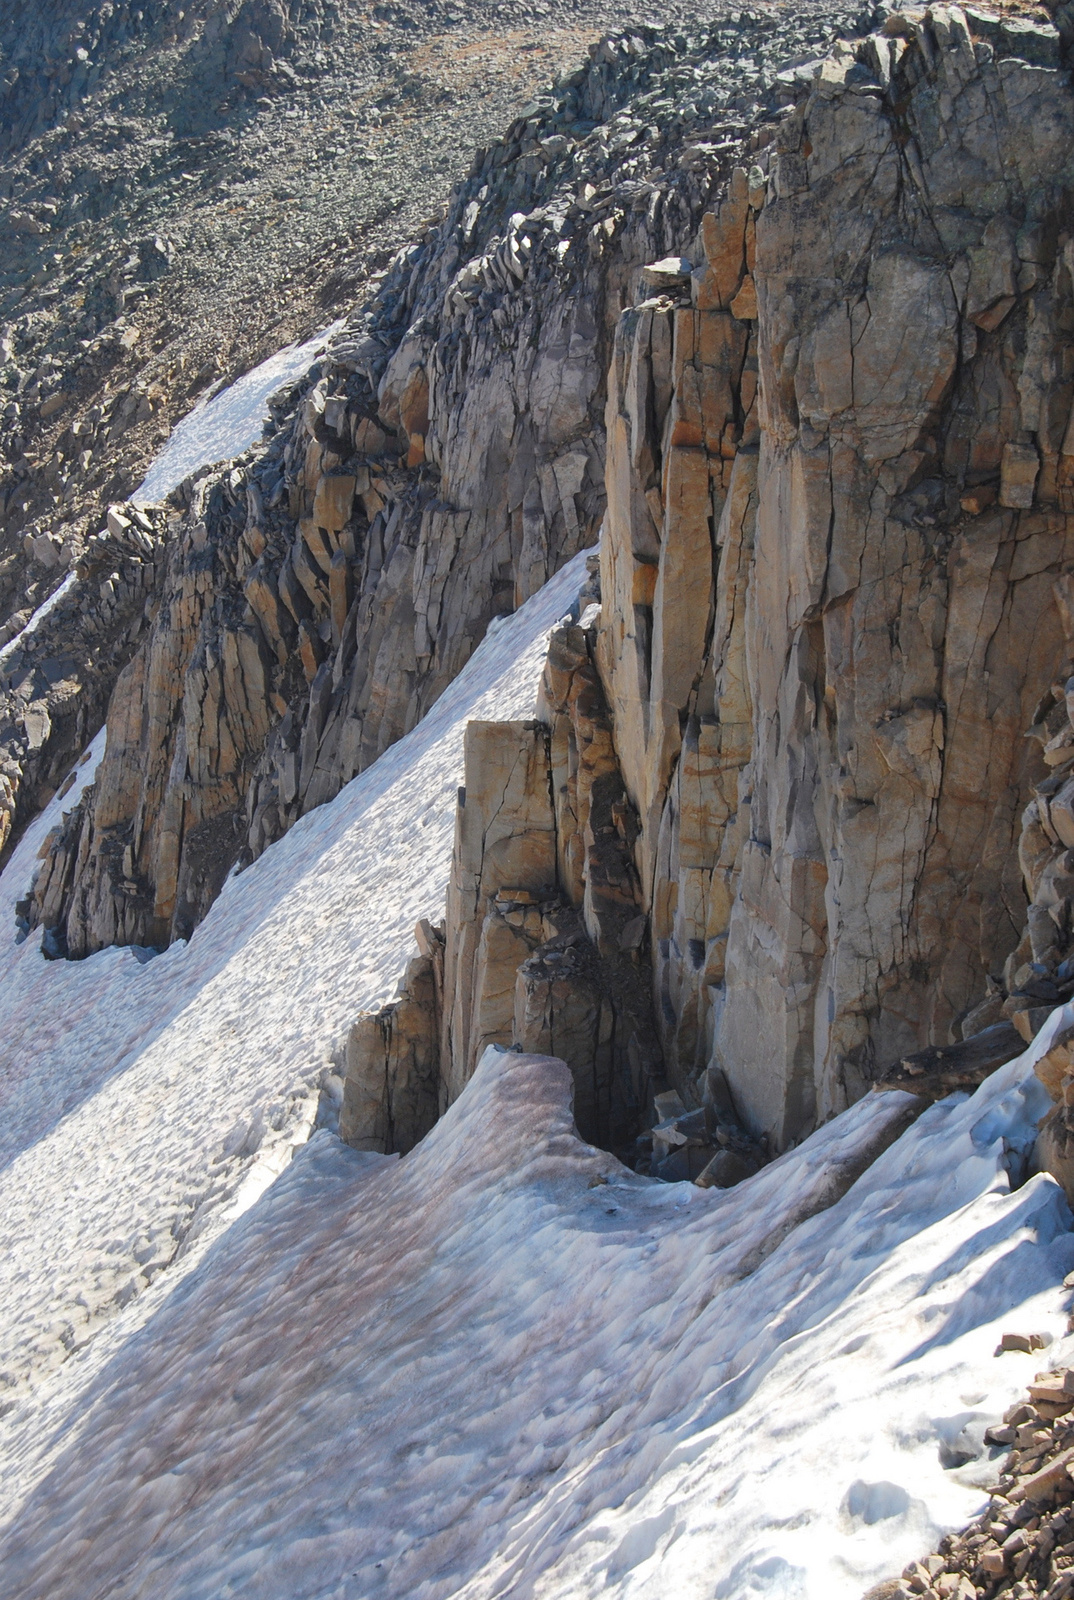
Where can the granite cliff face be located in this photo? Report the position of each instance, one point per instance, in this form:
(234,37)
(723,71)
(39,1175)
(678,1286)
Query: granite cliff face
(823,651)
(811,370)
(833,573)
(185,189)
(883,551)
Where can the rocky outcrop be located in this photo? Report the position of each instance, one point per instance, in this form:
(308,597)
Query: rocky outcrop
(391,1089)
(822,654)
(58,664)
(146,850)
(954,1068)
(782,769)
(504,862)
(447,457)
(156,162)
(544,945)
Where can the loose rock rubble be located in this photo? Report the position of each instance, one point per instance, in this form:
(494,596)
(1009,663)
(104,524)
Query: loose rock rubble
(1022,1545)
(708,1145)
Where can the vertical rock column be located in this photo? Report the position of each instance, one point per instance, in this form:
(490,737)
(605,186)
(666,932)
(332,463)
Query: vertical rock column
(504,839)
(392,1083)
(544,943)
(675,559)
(915,366)
(597,829)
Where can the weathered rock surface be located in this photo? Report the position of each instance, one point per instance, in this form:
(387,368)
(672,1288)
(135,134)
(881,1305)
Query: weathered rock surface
(449,454)
(953,1068)
(188,187)
(443,462)
(832,585)
(146,850)
(545,944)
(504,844)
(58,665)
(391,1088)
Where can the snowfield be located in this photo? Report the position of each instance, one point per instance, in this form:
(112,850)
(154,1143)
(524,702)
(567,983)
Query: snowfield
(503,1365)
(140,1105)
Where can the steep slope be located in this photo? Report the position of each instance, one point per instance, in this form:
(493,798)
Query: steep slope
(780,1324)
(824,547)
(159,1099)
(259,1008)
(507,1365)
(824,542)
(185,188)
(835,579)
(448,456)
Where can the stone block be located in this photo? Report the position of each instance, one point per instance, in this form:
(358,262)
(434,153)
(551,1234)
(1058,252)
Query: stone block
(390,1090)
(333,501)
(1057,1063)
(1018,476)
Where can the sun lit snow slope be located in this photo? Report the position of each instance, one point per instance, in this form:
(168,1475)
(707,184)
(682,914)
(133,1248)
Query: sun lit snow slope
(230,422)
(502,1365)
(506,1366)
(134,1099)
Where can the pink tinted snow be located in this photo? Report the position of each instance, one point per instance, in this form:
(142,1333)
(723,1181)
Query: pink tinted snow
(479,1371)
(139,1104)
(504,1365)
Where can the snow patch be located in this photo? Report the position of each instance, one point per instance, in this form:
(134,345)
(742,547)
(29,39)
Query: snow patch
(38,618)
(225,426)
(136,1100)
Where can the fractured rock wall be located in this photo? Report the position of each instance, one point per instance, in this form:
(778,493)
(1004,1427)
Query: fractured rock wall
(447,457)
(147,849)
(58,666)
(784,766)
(392,1084)
(823,665)
(544,939)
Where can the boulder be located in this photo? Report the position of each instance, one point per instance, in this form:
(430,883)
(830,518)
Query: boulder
(954,1068)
